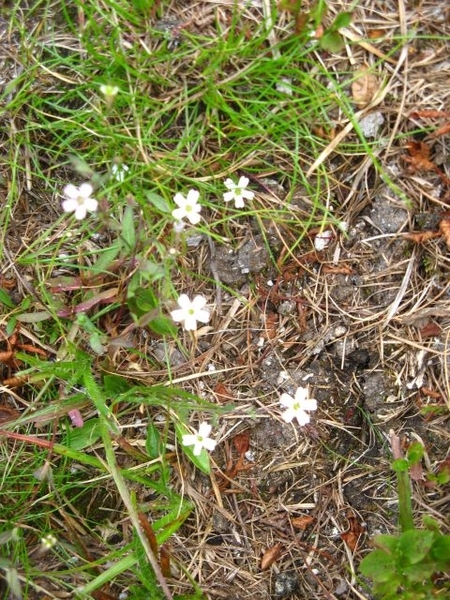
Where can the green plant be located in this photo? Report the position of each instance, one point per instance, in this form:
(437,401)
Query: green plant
(406,565)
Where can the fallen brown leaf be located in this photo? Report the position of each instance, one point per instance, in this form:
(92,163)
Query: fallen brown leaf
(364,87)
(270,556)
(302,522)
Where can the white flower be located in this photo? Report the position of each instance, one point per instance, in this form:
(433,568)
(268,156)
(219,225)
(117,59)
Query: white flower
(200,439)
(187,207)
(238,192)
(322,240)
(79,200)
(191,311)
(119,172)
(297,407)
(109,91)
(48,541)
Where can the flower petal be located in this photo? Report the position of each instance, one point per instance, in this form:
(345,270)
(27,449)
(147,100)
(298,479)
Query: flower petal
(204,429)
(286,400)
(71,191)
(85,190)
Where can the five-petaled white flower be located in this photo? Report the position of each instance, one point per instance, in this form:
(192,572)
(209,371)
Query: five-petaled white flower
(191,311)
(188,207)
(79,200)
(297,407)
(200,439)
(119,172)
(238,192)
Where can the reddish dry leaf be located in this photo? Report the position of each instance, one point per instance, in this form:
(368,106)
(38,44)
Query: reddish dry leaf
(241,442)
(271,325)
(431,329)
(420,237)
(355,530)
(431,393)
(149,534)
(419,157)
(270,556)
(429,114)
(375,34)
(444,227)
(222,393)
(442,130)
(164,561)
(341,270)
(7,413)
(7,283)
(302,522)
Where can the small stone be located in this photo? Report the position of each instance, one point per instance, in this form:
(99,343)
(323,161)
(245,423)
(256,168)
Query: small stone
(286,584)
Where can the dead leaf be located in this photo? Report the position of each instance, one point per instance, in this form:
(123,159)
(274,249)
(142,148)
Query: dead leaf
(420,237)
(7,413)
(431,329)
(419,157)
(302,522)
(364,87)
(270,556)
(444,227)
(241,442)
(164,561)
(429,114)
(271,325)
(442,130)
(353,533)
(222,393)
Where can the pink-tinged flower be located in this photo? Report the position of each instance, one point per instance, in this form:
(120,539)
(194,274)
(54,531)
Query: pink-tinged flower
(188,207)
(200,439)
(79,200)
(323,239)
(238,192)
(297,407)
(76,418)
(190,312)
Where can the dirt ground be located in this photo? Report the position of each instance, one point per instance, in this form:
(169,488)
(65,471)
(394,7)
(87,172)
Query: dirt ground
(289,512)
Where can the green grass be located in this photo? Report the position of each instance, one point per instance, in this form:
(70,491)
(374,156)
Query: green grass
(186,116)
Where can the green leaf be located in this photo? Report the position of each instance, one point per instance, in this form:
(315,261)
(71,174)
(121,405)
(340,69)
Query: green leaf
(400,465)
(5,299)
(387,543)
(163,326)
(378,565)
(82,437)
(202,460)
(414,545)
(440,550)
(146,300)
(153,442)
(105,259)
(342,20)
(96,341)
(415,453)
(115,385)
(430,523)
(159,202)
(331,41)
(128,228)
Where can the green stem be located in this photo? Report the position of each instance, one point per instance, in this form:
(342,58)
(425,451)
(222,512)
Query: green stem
(405,518)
